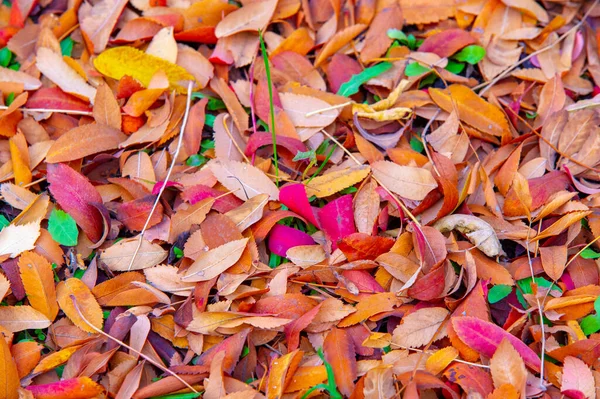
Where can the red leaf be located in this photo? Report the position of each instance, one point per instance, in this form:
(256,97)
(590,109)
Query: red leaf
(76,195)
(358,246)
(261,139)
(447,42)
(473,380)
(75,388)
(55,98)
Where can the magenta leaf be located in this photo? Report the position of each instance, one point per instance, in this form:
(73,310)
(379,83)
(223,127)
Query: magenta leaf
(337,219)
(283,238)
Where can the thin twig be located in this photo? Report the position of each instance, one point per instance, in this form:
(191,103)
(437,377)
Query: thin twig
(582,249)
(166,180)
(62,111)
(540,310)
(149,359)
(404,208)
(333,107)
(487,85)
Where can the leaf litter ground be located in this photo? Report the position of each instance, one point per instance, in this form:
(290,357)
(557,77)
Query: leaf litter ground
(293,199)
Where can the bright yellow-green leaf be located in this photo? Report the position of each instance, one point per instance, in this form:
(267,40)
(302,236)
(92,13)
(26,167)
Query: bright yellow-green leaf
(120,61)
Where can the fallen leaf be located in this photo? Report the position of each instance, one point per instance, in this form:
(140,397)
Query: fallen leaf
(406,181)
(420,327)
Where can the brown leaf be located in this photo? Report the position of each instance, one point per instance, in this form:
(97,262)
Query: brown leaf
(19,318)
(98,21)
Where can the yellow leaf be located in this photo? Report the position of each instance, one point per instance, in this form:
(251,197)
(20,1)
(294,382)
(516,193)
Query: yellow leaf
(330,183)
(120,61)
(438,362)
(55,359)
(74,290)
(38,280)
(377,340)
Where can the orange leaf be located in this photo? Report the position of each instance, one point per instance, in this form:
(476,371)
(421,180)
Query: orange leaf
(507,367)
(370,306)
(106,109)
(472,109)
(20,159)
(251,17)
(38,280)
(83,141)
(281,373)
(72,290)
(438,362)
(26,355)
(339,352)
(339,40)
(9,376)
(554,260)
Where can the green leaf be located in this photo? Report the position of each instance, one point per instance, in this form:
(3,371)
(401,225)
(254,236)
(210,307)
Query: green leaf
(471,54)
(210,120)
(3,222)
(498,293)
(10,98)
(178,252)
(5,57)
(15,66)
(207,145)
(196,160)
(353,85)
(66,46)
(455,67)
(597,305)
(589,253)
(416,144)
(397,34)
(525,284)
(349,190)
(62,228)
(590,324)
(415,69)
(190,395)
(302,155)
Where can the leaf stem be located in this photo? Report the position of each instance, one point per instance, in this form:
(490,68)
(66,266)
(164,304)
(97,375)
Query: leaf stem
(263,50)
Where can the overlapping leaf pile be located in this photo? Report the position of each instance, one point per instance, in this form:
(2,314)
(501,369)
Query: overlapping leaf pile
(287,199)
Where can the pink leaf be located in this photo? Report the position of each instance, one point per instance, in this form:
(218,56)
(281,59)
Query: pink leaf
(577,379)
(294,197)
(283,238)
(484,337)
(337,219)
(199,192)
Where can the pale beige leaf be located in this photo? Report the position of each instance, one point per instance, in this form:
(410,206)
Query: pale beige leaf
(577,377)
(225,147)
(379,383)
(507,366)
(530,8)
(19,318)
(533,168)
(421,327)
(184,219)
(306,255)
(4,286)
(296,106)
(478,231)
(167,278)
(211,263)
(366,207)
(251,17)
(249,212)
(146,134)
(98,21)
(118,256)
(12,76)
(333,182)
(552,99)
(406,181)
(16,239)
(59,72)
(246,181)
(16,196)
(163,45)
